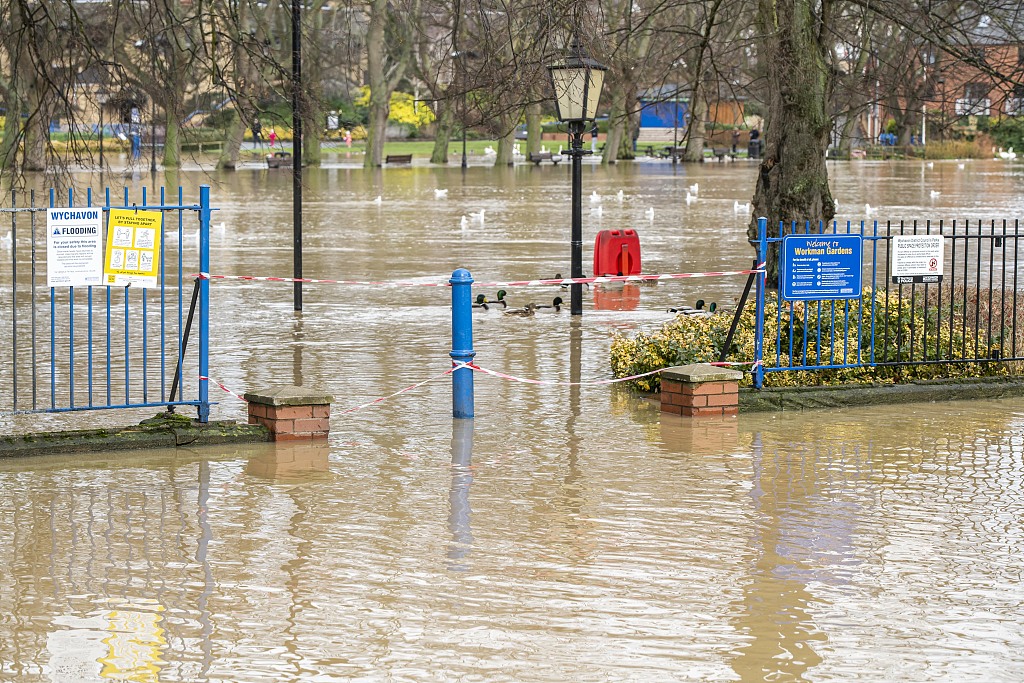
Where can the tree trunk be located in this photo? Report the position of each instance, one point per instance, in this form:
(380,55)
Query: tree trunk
(533,128)
(233,144)
(695,127)
(793,181)
(313,125)
(12,132)
(505,144)
(443,132)
(37,129)
(172,139)
(618,124)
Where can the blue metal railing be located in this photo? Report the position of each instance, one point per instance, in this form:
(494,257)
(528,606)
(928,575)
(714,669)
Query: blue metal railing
(969,316)
(128,332)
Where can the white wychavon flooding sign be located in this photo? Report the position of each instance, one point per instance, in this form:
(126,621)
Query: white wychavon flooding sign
(916,259)
(74,247)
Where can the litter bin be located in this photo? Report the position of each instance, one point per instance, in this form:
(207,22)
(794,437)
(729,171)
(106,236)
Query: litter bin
(754,149)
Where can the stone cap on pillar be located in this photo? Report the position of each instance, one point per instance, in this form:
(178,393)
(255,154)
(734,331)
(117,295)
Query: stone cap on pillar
(290,396)
(698,373)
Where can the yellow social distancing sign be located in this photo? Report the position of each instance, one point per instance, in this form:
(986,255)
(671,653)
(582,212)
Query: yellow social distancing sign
(133,248)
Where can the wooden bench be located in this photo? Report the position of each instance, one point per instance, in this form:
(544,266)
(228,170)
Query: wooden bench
(670,151)
(537,157)
(398,159)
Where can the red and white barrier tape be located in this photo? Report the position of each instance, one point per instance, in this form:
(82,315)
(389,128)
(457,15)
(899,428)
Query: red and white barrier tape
(210,379)
(493,373)
(402,391)
(515,283)
(616,380)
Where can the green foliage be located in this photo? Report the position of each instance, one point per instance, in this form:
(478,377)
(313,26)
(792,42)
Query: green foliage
(898,329)
(1008,132)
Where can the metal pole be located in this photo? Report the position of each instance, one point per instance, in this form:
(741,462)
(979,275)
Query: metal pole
(576,151)
(152,139)
(297,151)
(462,343)
(101,136)
(762,257)
(675,125)
(204,303)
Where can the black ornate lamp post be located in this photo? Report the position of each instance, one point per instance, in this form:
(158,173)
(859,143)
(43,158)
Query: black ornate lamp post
(577,82)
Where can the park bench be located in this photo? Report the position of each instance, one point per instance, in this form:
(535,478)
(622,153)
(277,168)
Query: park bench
(537,157)
(279,160)
(398,159)
(670,151)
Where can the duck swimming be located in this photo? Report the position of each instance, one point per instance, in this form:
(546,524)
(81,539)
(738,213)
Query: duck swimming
(526,311)
(556,304)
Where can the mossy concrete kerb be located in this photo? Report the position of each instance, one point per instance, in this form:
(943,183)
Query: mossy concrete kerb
(843,396)
(166,430)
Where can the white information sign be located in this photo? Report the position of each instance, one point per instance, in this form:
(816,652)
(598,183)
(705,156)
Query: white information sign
(917,258)
(74,247)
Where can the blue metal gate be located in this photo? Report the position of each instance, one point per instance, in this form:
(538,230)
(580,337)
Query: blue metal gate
(969,315)
(107,347)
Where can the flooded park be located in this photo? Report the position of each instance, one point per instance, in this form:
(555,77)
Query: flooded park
(570,532)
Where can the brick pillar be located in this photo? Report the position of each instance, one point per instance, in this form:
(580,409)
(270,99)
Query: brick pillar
(700,391)
(291,413)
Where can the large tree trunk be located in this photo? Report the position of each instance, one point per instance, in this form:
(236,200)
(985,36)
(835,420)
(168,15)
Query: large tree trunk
(443,131)
(313,124)
(12,132)
(695,127)
(533,128)
(618,125)
(505,144)
(381,82)
(37,129)
(236,133)
(172,139)
(793,179)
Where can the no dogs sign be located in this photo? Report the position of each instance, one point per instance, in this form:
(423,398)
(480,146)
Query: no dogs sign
(916,258)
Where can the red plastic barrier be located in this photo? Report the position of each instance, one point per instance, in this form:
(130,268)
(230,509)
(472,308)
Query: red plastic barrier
(617,252)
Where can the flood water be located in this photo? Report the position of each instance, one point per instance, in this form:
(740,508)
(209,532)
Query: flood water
(567,533)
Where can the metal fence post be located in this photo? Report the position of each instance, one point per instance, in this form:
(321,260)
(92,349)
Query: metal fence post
(462,343)
(762,258)
(204,303)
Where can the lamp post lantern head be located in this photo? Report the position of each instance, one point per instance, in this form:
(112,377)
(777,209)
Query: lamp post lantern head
(577,82)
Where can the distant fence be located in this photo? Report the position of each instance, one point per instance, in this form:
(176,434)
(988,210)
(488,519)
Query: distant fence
(967,312)
(106,346)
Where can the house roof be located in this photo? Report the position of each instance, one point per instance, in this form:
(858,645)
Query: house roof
(1003,28)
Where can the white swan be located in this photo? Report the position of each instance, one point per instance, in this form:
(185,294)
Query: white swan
(379,200)
(869,210)
(595,198)
(690,199)
(649,213)
(620,196)
(934,193)
(694,188)
(479,216)
(440,194)
(740,207)
(6,241)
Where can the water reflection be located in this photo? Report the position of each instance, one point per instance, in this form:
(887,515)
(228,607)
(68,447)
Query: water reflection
(460,512)
(774,611)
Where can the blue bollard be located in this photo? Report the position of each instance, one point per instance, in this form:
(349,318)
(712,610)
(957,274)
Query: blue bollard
(462,343)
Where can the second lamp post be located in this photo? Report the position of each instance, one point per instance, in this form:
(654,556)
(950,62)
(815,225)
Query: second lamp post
(577,82)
